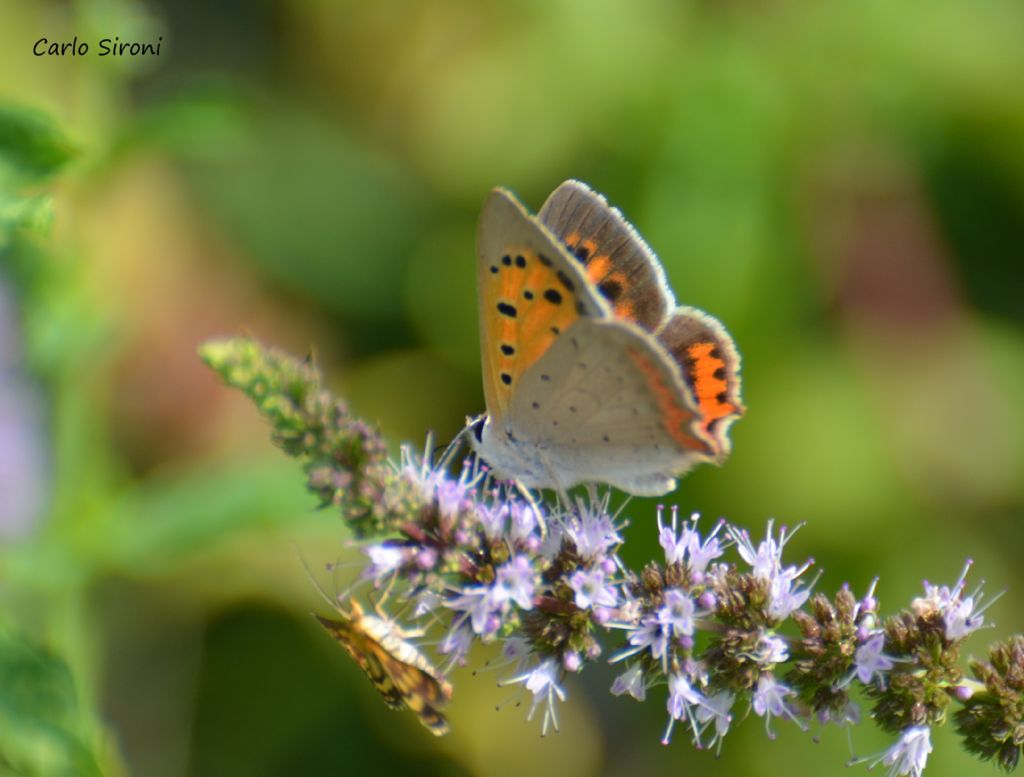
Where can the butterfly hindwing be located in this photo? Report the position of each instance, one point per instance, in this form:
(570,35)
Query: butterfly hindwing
(401,674)
(616,259)
(606,403)
(710,365)
(530,291)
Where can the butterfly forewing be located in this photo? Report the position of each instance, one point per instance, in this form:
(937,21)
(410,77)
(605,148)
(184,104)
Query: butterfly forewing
(530,290)
(606,403)
(616,259)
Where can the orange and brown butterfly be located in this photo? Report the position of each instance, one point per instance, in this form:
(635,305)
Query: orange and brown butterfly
(400,673)
(592,373)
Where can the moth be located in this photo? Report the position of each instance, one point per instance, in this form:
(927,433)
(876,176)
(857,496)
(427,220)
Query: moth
(400,673)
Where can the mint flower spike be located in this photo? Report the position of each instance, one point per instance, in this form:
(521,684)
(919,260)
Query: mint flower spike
(709,620)
(345,459)
(991,721)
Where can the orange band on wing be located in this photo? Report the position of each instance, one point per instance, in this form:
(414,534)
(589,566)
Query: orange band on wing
(598,268)
(675,417)
(708,387)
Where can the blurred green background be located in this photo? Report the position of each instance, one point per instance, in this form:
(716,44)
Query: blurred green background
(841,182)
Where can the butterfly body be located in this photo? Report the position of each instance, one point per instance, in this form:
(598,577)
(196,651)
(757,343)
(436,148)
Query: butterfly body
(591,371)
(402,675)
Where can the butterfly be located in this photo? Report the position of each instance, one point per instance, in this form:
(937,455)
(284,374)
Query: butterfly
(399,672)
(591,372)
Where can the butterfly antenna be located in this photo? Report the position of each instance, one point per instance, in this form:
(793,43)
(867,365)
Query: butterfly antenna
(315,582)
(452,449)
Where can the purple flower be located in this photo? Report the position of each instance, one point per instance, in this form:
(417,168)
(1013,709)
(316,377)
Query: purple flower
(23,449)
(514,582)
(492,519)
(515,649)
(592,531)
(456,644)
(523,523)
(542,681)
(650,634)
(677,614)
(591,590)
(771,649)
(673,545)
(715,710)
(769,699)
(869,660)
(765,560)
(418,471)
(384,559)
(687,545)
(961,619)
(784,596)
(572,661)
(477,605)
(631,682)
(958,613)
(849,714)
(703,553)
(453,497)
(910,754)
(683,702)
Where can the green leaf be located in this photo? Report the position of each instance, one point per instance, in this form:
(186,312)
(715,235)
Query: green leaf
(32,146)
(33,214)
(42,728)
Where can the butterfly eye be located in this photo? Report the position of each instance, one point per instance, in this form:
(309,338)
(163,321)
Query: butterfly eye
(478,428)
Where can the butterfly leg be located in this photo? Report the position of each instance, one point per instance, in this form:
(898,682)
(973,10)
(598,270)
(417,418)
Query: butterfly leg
(378,605)
(456,444)
(447,451)
(531,500)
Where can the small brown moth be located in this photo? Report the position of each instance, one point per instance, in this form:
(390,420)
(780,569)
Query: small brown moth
(400,673)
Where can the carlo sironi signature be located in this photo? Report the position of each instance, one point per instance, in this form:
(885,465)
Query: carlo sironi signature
(106,47)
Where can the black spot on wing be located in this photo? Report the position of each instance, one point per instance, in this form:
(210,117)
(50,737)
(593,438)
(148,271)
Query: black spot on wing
(507,349)
(520,261)
(506,379)
(507,310)
(611,290)
(554,296)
